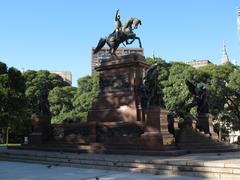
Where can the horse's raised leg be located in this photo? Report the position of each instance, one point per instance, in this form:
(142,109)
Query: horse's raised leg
(139,40)
(132,41)
(129,42)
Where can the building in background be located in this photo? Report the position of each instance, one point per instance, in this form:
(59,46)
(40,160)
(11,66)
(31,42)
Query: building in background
(225,58)
(199,63)
(66,75)
(104,54)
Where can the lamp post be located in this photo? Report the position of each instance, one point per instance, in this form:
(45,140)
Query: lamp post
(220,131)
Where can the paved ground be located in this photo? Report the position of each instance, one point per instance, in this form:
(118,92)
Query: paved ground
(226,158)
(27,171)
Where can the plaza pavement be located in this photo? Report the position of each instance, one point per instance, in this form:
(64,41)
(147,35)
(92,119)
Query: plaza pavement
(28,171)
(207,165)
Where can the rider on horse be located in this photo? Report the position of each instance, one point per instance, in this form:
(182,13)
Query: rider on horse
(118,24)
(120,35)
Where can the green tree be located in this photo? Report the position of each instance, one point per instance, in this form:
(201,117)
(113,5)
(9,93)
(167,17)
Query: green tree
(218,90)
(176,94)
(12,104)
(88,88)
(223,95)
(61,106)
(171,78)
(222,83)
(154,60)
(233,99)
(38,85)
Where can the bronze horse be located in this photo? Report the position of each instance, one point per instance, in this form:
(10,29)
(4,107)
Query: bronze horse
(126,33)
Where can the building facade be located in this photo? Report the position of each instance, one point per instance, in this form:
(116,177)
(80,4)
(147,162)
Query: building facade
(104,54)
(199,63)
(66,75)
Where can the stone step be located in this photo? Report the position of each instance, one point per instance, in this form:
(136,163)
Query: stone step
(213,150)
(146,152)
(200,145)
(210,149)
(65,143)
(190,138)
(202,139)
(106,146)
(197,148)
(56,148)
(103,149)
(136,147)
(133,150)
(171,166)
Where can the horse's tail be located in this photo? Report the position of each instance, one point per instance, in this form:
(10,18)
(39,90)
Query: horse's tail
(101,43)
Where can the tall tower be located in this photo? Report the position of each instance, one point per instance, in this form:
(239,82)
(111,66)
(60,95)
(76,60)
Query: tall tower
(225,58)
(238,28)
(238,21)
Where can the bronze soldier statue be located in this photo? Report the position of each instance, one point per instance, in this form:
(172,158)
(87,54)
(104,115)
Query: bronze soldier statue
(118,24)
(121,34)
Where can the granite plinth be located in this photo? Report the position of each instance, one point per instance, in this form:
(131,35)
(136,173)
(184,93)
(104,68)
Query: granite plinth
(41,129)
(157,133)
(205,124)
(120,80)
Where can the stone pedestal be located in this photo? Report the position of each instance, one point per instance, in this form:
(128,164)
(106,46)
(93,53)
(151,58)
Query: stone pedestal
(40,128)
(120,119)
(118,100)
(36,138)
(93,133)
(205,124)
(156,124)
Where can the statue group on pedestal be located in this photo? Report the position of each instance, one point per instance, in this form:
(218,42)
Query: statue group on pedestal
(200,97)
(151,91)
(121,35)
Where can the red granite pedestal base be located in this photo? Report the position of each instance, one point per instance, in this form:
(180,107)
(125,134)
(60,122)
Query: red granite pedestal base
(41,130)
(156,133)
(118,106)
(118,99)
(205,124)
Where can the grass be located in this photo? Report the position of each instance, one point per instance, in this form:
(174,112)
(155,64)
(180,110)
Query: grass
(12,145)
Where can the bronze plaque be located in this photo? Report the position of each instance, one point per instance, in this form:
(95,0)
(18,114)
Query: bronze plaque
(114,83)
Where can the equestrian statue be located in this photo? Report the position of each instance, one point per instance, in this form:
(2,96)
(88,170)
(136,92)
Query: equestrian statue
(121,34)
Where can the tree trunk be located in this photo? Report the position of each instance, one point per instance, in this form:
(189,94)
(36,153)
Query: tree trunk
(220,132)
(3,135)
(7,135)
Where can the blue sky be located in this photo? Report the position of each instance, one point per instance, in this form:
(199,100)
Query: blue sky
(59,34)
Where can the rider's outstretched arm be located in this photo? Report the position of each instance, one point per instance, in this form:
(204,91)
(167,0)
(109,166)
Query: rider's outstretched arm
(116,16)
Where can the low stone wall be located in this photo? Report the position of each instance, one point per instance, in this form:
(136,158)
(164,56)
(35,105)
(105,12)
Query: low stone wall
(71,132)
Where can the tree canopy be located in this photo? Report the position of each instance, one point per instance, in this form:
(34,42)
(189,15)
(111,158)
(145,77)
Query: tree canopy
(61,106)
(69,104)
(38,85)
(12,95)
(221,81)
(88,88)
